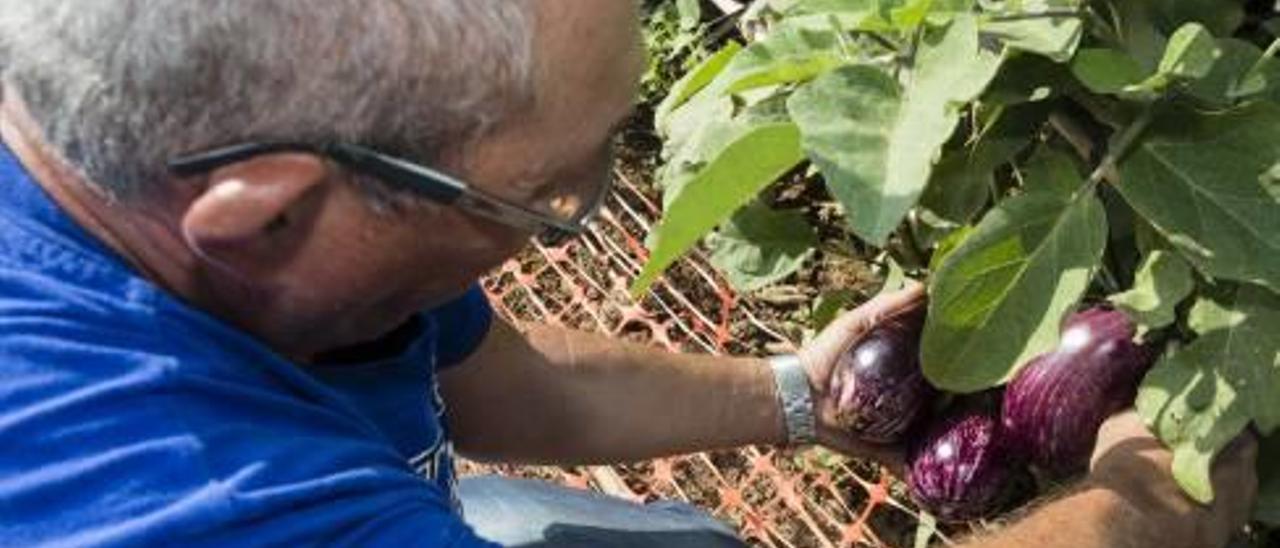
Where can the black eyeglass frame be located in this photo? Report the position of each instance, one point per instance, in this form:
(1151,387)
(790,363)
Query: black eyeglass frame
(434,185)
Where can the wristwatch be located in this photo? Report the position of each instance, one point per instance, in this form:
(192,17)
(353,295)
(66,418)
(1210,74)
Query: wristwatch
(796,398)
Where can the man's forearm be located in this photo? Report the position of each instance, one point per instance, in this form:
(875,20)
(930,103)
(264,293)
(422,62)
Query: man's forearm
(561,396)
(1090,518)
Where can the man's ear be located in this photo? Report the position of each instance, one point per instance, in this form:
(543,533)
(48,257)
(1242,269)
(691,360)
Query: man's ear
(253,209)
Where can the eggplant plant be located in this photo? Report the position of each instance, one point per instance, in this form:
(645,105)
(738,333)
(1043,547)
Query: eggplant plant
(1026,157)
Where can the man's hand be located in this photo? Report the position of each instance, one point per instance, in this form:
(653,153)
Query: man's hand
(1134,466)
(821,355)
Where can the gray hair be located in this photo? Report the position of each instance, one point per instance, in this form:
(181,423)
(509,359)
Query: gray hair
(119,87)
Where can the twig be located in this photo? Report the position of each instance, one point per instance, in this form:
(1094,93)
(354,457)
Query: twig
(1122,147)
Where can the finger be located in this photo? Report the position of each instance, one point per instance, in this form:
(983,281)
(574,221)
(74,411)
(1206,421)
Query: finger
(1121,426)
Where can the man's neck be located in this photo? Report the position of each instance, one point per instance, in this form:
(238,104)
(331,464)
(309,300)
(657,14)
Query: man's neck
(139,233)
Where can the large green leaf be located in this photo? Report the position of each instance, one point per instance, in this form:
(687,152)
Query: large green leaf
(697,79)
(1196,178)
(700,131)
(1000,298)
(876,143)
(962,181)
(1232,77)
(1026,78)
(760,246)
(1106,71)
(1200,398)
(1221,17)
(1190,54)
(787,55)
(1054,37)
(1138,32)
(730,181)
(1163,282)
(1052,171)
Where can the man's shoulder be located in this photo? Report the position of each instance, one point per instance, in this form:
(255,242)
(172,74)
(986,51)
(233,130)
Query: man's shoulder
(135,427)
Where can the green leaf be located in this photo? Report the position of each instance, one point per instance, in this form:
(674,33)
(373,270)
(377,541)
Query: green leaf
(1138,33)
(786,55)
(1054,37)
(1232,76)
(962,181)
(1190,54)
(911,14)
(696,80)
(1196,178)
(730,181)
(949,245)
(1053,171)
(690,13)
(1222,17)
(760,246)
(703,128)
(1106,71)
(1200,398)
(1164,280)
(1028,79)
(876,143)
(1000,298)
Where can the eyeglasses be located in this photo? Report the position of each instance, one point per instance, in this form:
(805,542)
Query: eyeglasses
(424,181)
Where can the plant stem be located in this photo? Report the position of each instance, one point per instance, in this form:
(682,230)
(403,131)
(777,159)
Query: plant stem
(1121,147)
(909,247)
(1108,279)
(883,41)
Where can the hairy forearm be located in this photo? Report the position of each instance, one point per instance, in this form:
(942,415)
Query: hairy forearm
(1089,518)
(566,397)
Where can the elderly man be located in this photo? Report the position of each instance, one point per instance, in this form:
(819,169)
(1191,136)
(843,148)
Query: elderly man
(237,290)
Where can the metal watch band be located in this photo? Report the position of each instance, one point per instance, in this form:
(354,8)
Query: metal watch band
(796,397)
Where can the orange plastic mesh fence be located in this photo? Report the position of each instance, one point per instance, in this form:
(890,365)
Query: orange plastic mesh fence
(775,498)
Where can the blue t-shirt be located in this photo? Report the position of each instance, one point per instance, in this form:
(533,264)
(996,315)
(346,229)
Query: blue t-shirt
(129,418)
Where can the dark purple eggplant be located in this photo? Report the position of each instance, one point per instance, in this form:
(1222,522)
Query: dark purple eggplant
(1054,406)
(961,470)
(881,390)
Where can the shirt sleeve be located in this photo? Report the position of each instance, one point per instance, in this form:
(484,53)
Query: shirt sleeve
(463,325)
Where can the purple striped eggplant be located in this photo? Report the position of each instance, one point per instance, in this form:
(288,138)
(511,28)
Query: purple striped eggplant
(961,470)
(881,390)
(1054,406)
